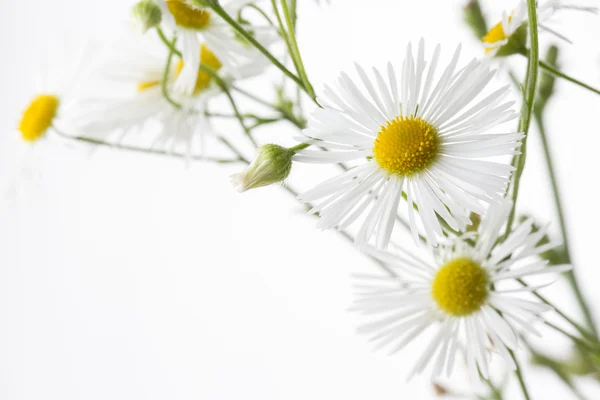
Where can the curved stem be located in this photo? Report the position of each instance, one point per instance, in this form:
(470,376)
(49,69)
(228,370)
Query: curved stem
(136,149)
(527,111)
(520,376)
(165,79)
(166,41)
(223,14)
(295,51)
(556,72)
(563,227)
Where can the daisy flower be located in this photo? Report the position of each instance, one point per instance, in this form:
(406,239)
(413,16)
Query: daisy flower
(464,297)
(509,36)
(421,137)
(129,97)
(201,25)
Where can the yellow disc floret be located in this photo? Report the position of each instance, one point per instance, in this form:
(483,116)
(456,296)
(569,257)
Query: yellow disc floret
(188,17)
(38,117)
(406,146)
(460,287)
(208,59)
(496,34)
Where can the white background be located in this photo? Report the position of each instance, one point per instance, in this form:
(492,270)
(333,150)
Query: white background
(132,277)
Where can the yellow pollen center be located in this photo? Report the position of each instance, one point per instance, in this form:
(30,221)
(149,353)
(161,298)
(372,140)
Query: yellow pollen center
(406,146)
(495,34)
(207,58)
(38,117)
(460,287)
(142,86)
(188,17)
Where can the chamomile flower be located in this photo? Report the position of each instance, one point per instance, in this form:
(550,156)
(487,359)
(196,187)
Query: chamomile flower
(421,137)
(464,297)
(509,36)
(196,26)
(134,83)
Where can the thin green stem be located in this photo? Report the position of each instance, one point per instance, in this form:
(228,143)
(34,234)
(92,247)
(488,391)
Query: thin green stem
(283,31)
(570,320)
(136,149)
(165,79)
(592,346)
(166,41)
(263,13)
(519,375)
(295,51)
(571,277)
(526,113)
(225,88)
(223,14)
(556,72)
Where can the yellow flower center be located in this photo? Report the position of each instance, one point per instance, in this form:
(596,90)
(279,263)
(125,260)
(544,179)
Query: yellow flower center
(187,16)
(406,146)
(38,117)
(460,287)
(209,59)
(142,86)
(495,34)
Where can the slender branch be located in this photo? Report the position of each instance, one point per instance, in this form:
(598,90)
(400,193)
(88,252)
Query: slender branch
(556,72)
(593,346)
(527,111)
(295,51)
(166,41)
(283,32)
(223,14)
(570,320)
(519,374)
(136,149)
(165,79)
(563,227)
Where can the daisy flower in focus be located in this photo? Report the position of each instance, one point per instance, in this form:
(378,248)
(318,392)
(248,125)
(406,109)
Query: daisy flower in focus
(419,135)
(509,36)
(195,26)
(130,96)
(465,297)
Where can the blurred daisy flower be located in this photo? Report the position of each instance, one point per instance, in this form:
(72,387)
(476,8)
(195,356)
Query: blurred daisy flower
(466,296)
(509,36)
(421,137)
(197,25)
(136,94)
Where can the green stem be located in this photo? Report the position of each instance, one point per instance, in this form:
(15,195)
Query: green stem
(164,88)
(570,320)
(526,113)
(223,14)
(520,376)
(295,51)
(283,32)
(136,149)
(592,346)
(556,72)
(571,277)
(166,41)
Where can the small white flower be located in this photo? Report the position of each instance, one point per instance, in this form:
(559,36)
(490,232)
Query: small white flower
(465,297)
(196,25)
(129,97)
(423,137)
(514,22)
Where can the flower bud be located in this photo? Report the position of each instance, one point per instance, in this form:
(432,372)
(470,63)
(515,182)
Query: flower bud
(272,164)
(474,18)
(547,80)
(146,15)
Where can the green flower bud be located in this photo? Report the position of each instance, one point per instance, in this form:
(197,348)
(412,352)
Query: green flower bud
(146,15)
(474,18)
(272,164)
(546,88)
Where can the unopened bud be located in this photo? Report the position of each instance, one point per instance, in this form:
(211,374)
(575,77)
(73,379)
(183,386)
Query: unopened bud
(547,80)
(146,15)
(474,18)
(272,164)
